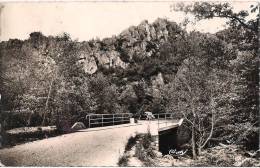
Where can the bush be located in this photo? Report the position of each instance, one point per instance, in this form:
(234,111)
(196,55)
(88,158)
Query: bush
(146,140)
(150,152)
(123,160)
(139,152)
(130,143)
(143,150)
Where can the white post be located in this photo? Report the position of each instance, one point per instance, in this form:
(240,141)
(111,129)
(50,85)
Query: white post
(158,121)
(89,121)
(165,119)
(102,120)
(113,119)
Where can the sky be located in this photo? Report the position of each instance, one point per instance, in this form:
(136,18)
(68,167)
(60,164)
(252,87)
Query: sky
(87,20)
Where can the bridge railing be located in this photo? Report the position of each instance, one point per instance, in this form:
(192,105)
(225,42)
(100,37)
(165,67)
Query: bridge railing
(95,120)
(165,118)
(100,120)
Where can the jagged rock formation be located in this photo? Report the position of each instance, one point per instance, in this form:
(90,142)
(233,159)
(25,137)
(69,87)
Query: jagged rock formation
(157,82)
(136,42)
(89,63)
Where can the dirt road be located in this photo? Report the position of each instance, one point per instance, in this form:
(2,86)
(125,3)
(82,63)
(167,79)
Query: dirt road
(90,147)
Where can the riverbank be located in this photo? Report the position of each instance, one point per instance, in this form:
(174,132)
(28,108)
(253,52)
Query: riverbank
(144,152)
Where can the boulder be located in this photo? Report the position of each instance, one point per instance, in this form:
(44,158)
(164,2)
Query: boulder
(157,153)
(89,63)
(78,126)
(168,157)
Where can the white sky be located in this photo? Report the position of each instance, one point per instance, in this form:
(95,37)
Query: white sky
(87,20)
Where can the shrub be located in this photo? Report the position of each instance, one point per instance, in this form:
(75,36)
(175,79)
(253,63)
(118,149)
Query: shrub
(123,160)
(130,143)
(146,140)
(143,150)
(150,152)
(139,152)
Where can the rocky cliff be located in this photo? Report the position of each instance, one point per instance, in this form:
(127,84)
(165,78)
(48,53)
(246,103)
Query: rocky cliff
(136,42)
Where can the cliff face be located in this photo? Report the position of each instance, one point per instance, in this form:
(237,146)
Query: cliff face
(136,42)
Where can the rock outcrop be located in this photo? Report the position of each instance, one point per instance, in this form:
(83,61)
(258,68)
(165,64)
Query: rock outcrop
(135,42)
(157,82)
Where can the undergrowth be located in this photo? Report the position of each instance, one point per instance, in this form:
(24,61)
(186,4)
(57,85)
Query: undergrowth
(123,160)
(131,142)
(144,151)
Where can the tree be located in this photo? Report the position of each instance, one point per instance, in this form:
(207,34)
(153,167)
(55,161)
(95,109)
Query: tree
(208,10)
(105,94)
(242,37)
(197,85)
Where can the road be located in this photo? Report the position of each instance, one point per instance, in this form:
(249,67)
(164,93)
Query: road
(89,147)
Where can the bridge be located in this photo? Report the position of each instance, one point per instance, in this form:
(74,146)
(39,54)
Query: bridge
(97,146)
(101,120)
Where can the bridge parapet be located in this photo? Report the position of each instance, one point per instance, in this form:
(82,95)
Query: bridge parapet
(165,119)
(100,120)
(95,120)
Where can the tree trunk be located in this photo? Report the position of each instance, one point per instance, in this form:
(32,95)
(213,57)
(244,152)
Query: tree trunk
(47,102)
(199,151)
(29,120)
(193,140)
(193,143)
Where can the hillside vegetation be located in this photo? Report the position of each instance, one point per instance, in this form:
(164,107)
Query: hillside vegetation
(54,77)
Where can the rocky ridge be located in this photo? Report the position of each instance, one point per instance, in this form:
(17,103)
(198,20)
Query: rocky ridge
(135,42)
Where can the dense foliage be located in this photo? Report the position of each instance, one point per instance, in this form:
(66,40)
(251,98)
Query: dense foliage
(234,86)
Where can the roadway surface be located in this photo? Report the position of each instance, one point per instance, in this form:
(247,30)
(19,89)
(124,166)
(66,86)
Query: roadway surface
(90,147)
